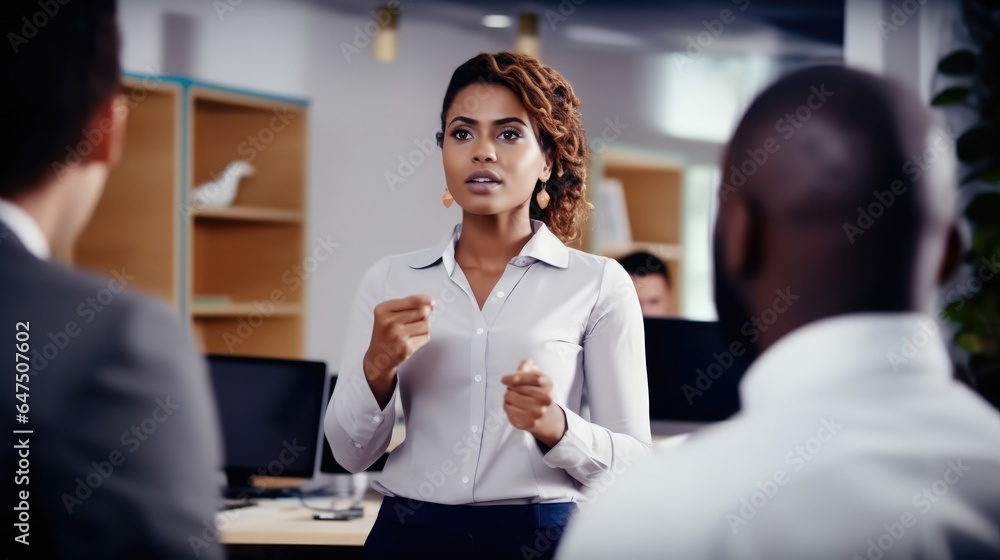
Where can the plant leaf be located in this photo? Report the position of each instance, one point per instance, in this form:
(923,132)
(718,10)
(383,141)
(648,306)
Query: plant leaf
(978,142)
(958,63)
(991,176)
(969,341)
(986,241)
(984,209)
(950,96)
(986,173)
(956,312)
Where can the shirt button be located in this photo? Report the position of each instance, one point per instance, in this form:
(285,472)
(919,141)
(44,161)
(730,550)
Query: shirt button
(465,480)
(479,331)
(376,418)
(475,429)
(499,294)
(358,445)
(478,378)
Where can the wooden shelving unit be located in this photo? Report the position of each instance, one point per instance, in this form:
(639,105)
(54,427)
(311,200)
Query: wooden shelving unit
(244,309)
(134,229)
(666,251)
(183,133)
(653,188)
(251,214)
(245,251)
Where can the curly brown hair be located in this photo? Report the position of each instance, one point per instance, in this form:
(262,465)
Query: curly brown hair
(555,114)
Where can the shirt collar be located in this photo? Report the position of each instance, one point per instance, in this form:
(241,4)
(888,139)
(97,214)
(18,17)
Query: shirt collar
(25,228)
(543,246)
(848,349)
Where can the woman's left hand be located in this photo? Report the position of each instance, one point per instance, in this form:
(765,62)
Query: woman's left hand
(528,404)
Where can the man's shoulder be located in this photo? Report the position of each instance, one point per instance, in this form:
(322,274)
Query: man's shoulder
(33,279)
(77,317)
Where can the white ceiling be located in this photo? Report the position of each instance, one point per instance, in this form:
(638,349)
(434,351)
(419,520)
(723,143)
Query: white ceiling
(786,28)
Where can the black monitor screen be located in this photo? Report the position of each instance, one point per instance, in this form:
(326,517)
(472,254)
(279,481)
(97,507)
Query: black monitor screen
(693,371)
(330,465)
(270,411)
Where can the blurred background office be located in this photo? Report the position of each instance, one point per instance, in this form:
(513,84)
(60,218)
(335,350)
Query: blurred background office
(276,149)
(334,105)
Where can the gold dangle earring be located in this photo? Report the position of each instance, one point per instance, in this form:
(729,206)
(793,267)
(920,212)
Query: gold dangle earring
(446,198)
(542,197)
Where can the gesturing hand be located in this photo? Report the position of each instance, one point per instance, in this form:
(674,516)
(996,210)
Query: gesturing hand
(528,404)
(401,327)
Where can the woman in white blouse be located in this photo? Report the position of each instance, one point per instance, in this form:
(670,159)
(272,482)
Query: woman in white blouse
(520,363)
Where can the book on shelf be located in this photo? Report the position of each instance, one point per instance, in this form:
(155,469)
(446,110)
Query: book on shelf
(614,228)
(211,300)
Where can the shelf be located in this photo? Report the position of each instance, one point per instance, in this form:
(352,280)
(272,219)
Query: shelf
(247,261)
(653,202)
(133,230)
(182,134)
(641,161)
(272,337)
(250,214)
(272,136)
(666,251)
(652,188)
(243,309)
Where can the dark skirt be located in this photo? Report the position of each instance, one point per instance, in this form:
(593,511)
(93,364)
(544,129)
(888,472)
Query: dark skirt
(413,529)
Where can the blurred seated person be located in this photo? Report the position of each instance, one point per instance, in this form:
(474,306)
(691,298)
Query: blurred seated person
(652,283)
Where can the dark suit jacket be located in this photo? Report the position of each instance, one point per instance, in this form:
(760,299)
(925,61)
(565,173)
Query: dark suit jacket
(125,454)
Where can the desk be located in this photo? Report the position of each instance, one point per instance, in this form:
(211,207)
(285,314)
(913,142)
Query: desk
(286,529)
(286,522)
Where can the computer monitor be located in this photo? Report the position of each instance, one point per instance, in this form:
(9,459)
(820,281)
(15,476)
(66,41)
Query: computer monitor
(693,374)
(328,464)
(270,410)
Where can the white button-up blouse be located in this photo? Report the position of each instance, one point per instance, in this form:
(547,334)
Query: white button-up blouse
(574,314)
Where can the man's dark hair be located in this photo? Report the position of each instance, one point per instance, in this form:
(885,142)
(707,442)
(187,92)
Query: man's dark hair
(643,263)
(60,63)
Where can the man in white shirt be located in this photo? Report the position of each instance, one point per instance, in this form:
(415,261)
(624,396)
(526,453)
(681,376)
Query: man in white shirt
(853,441)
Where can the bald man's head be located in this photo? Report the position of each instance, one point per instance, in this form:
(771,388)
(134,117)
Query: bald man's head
(837,189)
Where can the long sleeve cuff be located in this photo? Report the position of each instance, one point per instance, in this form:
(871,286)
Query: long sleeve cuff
(367,426)
(580,447)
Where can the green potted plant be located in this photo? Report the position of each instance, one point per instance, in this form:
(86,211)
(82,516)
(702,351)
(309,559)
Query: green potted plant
(975,71)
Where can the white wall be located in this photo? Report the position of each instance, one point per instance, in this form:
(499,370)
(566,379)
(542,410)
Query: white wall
(365,115)
(902,39)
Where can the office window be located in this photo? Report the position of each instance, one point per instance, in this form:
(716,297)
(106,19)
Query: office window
(704,96)
(701,184)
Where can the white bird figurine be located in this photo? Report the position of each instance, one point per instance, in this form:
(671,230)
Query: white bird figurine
(221,191)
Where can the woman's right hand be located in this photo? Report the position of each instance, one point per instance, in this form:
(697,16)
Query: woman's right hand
(401,327)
